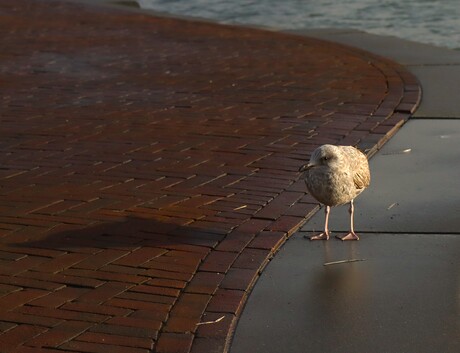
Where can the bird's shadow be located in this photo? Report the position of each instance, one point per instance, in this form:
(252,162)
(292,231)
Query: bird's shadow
(126,234)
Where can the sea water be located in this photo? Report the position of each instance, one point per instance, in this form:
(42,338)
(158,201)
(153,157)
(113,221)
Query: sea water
(427,21)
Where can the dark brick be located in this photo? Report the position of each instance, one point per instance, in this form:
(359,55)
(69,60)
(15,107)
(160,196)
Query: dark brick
(15,299)
(179,324)
(218,261)
(137,305)
(96,309)
(19,318)
(204,283)
(90,347)
(164,291)
(19,335)
(208,345)
(211,329)
(140,256)
(147,297)
(288,224)
(268,240)
(61,314)
(174,343)
(253,259)
(240,278)
(59,297)
(148,331)
(235,242)
(60,263)
(116,340)
(190,305)
(60,334)
(227,301)
(103,293)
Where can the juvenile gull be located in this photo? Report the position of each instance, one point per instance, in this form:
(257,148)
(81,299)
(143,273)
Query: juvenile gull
(335,176)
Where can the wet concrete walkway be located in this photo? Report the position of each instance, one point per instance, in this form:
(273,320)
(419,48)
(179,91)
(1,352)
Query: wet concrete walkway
(402,296)
(149,168)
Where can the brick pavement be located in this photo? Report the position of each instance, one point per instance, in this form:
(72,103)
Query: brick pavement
(149,168)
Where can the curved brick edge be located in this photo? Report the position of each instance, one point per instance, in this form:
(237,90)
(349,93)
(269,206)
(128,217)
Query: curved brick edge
(272,227)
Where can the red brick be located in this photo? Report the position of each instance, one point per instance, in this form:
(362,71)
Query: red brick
(253,226)
(147,297)
(150,314)
(191,305)
(140,256)
(180,324)
(170,283)
(227,301)
(20,334)
(288,224)
(171,266)
(60,263)
(204,283)
(15,299)
(136,304)
(61,279)
(5,326)
(174,343)
(96,309)
(89,347)
(199,246)
(59,207)
(111,339)
(101,259)
(26,349)
(6,289)
(148,331)
(59,297)
(127,270)
(19,318)
(176,276)
(235,242)
(211,329)
(136,322)
(252,259)
(208,345)
(218,261)
(12,268)
(105,276)
(240,278)
(103,293)
(11,256)
(170,292)
(268,240)
(60,314)
(60,334)
(302,209)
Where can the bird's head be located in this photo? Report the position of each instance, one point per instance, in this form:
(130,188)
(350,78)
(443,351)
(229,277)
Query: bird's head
(323,156)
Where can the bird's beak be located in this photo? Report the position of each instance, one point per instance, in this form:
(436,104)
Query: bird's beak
(306,167)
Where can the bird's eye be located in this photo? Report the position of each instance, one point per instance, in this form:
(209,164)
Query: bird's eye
(325,158)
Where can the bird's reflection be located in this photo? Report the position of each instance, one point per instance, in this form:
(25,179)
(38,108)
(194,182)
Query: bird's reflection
(339,294)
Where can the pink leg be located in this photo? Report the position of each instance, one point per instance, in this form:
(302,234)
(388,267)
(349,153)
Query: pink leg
(352,235)
(325,234)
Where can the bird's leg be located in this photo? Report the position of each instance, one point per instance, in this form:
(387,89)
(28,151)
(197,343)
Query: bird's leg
(352,235)
(325,234)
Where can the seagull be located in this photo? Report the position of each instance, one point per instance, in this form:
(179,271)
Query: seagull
(334,176)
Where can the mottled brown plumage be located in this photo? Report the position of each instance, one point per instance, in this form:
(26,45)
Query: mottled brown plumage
(335,176)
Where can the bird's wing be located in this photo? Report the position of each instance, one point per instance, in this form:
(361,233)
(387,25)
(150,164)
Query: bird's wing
(361,179)
(360,166)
